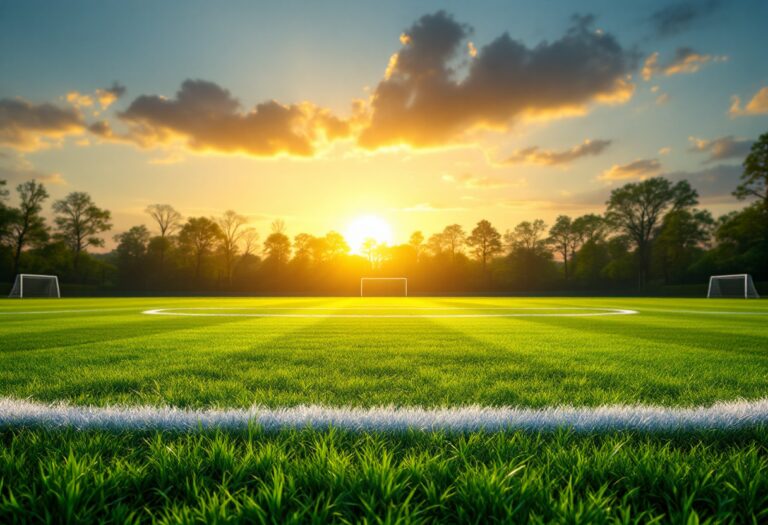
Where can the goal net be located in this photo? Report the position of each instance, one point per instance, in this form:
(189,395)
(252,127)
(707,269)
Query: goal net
(734,286)
(383,286)
(31,285)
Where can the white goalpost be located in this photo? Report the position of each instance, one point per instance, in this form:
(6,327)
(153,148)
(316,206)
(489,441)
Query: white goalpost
(33,285)
(401,282)
(738,285)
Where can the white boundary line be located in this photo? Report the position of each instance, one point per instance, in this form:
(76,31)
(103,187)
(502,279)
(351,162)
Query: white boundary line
(200,312)
(727,415)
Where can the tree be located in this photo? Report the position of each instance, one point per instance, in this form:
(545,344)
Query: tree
(250,241)
(336,245)
(754,179)
(453,239)
(131,251)
(636,210)
(232,230)
(167,218)
(529,263)
(416,241)
(485,242)
(168,222)
(589,228)
(565,239)
(199,236)
(5,212)
(682,236)
(278,248)
(370,250)
(302,246)
(27,225)
(79,223)
(527,235)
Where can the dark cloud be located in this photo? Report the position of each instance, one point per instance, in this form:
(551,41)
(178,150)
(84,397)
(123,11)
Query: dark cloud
(422,102)
(676,18)
(25,125)
(637,169)
(535,155)
(722,148)
(208,118)
(714,184)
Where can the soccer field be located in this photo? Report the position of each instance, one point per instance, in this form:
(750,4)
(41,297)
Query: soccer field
(428,354)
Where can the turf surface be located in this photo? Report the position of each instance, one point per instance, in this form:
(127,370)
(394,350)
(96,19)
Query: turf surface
(105,351)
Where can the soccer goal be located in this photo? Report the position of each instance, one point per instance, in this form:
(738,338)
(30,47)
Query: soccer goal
(31,285)
(735,286)
(383,286)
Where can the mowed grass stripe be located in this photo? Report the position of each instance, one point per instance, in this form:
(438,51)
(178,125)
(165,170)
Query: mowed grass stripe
(124,357)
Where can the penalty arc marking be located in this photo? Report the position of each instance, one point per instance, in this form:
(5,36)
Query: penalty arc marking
(461,312)
(728,415)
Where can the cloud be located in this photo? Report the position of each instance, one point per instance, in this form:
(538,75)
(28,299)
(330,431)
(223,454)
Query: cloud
(206,117)
(19,170)
(722,148)
(472,182)
(714,184)
(534,155)
(27,126)
(107,96)
(674,19)
(422,102)
(637,169)
(758,105)
(686,60)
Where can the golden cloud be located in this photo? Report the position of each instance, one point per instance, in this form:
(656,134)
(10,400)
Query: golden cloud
(535,155)
(758,104)
(638,169)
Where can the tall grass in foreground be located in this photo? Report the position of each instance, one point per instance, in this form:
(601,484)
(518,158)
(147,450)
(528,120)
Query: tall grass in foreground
(308,476)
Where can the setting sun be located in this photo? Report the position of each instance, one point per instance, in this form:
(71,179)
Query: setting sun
(367,227)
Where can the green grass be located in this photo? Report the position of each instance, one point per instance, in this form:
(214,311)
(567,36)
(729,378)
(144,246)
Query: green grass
(320,477)
(118,355)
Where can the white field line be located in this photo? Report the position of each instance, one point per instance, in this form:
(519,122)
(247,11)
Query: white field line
(720,416)
(68,311)
(705,312)
(515,312)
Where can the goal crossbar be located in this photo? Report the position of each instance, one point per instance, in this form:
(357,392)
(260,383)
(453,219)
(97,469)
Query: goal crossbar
(363,280)
(50,289)
(744,279)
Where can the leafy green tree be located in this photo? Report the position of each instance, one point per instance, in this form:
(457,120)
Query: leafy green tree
(27,224)
(681,240)
(79,222)
(132,246)
(485,242)
(636,210)
(754,179)
(199,236)
(527,236)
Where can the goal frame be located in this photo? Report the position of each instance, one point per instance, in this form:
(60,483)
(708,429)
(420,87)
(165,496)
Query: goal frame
(20,278)
(745,276)
(364,279)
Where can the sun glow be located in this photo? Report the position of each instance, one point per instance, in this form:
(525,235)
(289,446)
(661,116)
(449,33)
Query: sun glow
(367,227)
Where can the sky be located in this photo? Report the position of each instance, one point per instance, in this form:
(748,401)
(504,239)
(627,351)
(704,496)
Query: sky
(421,113)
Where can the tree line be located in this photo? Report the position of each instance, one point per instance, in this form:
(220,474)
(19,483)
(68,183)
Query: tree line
(652,233)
